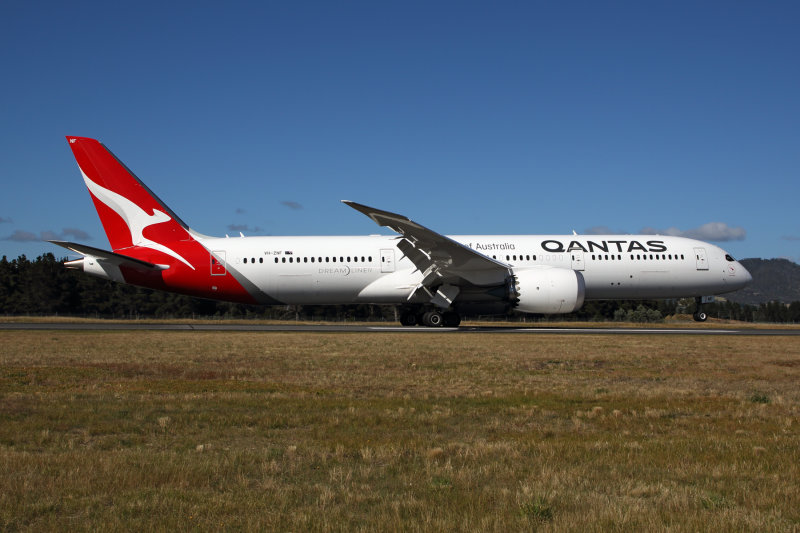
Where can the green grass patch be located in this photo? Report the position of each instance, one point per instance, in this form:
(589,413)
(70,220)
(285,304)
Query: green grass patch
(317,432)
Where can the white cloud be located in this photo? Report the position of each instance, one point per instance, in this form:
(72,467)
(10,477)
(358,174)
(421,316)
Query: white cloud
(243,228)
(22,236)
(75,233)
(712,231)
(292,205)
(48,235)
(601,230)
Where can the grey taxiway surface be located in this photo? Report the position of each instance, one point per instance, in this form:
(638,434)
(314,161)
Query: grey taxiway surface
(377,328)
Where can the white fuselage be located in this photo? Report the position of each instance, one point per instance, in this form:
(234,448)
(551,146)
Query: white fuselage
(371,269)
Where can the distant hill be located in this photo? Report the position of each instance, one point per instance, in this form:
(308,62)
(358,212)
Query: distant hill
(773,280)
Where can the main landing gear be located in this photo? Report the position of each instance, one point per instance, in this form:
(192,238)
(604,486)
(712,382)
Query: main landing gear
(431,319)
(699,315)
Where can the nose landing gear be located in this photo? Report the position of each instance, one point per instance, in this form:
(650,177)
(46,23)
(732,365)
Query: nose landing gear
(699,315)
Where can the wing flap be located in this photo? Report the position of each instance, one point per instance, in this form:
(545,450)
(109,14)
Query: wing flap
(440,258)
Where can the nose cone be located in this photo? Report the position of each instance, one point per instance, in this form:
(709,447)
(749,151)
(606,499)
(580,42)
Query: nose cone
(746,277)
(739,277)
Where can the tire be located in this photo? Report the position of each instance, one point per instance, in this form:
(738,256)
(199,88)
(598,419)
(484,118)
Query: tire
(408,319)
(451,319)
(432,319)
(700,316)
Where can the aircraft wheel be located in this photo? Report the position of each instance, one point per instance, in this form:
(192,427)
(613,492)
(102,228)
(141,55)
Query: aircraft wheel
(432,319)
(700,316)
(408,319)
(451,319)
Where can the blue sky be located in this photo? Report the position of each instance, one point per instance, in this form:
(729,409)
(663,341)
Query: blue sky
(469,117)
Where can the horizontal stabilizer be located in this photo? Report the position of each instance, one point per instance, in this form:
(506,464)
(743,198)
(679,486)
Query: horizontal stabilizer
(109,257)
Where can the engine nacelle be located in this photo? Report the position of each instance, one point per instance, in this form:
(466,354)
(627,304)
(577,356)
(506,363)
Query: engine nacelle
(547,290)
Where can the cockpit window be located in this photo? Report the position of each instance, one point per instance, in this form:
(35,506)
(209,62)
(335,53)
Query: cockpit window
(729,258)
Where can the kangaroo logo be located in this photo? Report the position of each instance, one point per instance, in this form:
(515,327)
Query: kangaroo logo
(135,217)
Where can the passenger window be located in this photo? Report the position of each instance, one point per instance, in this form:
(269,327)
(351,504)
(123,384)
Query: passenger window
(260,259)
(283,259)
(276,259)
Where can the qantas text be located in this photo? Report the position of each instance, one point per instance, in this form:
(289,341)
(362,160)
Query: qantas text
(604,246)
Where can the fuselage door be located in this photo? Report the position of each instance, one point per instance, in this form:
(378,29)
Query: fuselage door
(577,259)
(387,260)
(700,257)
(218,263)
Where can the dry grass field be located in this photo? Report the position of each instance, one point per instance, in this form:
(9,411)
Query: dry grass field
(179,431)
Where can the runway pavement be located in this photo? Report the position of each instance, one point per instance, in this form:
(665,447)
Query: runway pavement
(377,328)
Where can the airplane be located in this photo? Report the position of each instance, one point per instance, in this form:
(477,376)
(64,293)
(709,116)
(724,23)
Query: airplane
(433,278)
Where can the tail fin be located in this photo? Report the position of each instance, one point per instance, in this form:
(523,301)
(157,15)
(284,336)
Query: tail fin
(132,216)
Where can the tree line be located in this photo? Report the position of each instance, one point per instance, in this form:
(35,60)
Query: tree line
(44,287)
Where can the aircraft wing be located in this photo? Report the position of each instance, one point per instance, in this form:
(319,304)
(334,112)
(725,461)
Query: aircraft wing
(108,257)
(441,259)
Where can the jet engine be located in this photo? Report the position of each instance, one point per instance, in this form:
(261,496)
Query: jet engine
(547,290)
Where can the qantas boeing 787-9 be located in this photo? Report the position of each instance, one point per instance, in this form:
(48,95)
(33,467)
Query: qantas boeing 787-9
(432,277)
